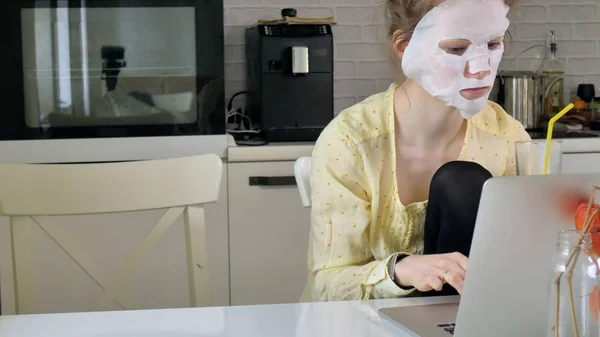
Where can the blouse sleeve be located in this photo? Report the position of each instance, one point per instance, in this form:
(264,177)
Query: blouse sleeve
(519,135)
(341,263)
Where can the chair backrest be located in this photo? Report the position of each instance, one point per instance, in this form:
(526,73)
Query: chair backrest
(302,169)
(30,194)
(71,189)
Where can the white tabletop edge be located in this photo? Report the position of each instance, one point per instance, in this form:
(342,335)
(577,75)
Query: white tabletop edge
(329,319)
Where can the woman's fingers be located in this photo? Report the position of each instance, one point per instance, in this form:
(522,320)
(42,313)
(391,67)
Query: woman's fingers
(455,280)
(430,282)
(435,282)
(451,265)
(453,272)
(450,261)
(460,259)
(437,270)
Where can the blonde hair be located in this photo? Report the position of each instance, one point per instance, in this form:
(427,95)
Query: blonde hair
(404,15)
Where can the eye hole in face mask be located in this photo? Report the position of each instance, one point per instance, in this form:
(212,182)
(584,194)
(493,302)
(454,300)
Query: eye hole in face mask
(496,43)
(459,46)
(455,46)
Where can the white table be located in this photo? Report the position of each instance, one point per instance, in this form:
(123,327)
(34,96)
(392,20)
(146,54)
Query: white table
(343,319)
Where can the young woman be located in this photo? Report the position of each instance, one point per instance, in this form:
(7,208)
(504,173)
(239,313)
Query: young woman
(397,179)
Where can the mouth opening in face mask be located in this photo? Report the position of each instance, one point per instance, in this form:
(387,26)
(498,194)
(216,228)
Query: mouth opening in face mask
(475,93)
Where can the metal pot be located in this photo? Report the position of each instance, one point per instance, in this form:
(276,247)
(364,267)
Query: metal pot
(520,94)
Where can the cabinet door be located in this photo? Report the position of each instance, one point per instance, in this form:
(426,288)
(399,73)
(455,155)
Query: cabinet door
(268,234)
(575,163)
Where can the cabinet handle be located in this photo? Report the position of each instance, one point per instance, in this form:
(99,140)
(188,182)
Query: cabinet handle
(273,181)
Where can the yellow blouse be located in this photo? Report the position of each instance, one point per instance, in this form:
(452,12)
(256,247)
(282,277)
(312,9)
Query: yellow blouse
(358,222)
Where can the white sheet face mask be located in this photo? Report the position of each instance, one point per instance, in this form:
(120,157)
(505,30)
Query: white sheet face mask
(437,59)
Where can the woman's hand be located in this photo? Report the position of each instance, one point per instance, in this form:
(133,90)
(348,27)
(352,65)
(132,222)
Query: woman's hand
(430,272)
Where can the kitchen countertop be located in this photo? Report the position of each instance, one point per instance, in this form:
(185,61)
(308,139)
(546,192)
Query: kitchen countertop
(293,151)
(325,319)
(111,149)
(584,141)
(124,149)
(581,145)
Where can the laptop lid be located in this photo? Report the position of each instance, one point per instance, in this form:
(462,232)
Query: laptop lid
(506,291)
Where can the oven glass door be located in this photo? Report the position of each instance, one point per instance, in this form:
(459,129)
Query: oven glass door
(111,68)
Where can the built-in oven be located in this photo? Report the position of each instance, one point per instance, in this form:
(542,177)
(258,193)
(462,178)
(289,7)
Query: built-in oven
(111,68)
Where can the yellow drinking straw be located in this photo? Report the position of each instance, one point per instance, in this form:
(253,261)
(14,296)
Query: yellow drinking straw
(549,135)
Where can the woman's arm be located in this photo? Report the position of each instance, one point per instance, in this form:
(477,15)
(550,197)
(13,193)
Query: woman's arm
(341,263)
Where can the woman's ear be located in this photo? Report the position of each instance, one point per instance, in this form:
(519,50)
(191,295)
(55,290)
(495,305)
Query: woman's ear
(399,44)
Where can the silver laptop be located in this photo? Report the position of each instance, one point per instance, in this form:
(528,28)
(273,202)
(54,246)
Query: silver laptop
(506,292)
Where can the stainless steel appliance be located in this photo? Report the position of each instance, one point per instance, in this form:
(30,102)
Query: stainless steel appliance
(520,94)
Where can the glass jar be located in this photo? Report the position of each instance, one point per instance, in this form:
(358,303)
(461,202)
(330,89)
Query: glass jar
(582,307)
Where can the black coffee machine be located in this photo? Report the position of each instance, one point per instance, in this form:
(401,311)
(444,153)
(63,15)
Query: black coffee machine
(290,79)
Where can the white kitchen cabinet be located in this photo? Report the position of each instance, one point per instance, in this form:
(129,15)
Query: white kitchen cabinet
(268,234)
(101,243)
(577,163)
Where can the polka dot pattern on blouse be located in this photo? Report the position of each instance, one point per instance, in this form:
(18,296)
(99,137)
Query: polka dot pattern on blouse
(357,220)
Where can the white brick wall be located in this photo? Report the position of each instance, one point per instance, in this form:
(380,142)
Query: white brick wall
(362,63)
(577,26)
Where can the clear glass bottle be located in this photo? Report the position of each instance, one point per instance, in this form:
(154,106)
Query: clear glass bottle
(583,307)
(554,80)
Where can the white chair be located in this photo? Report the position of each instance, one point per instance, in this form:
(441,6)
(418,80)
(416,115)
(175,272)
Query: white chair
(302,169)
(32,195)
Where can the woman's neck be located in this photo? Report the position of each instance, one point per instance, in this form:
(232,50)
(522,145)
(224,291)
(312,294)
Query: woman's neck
(422,120)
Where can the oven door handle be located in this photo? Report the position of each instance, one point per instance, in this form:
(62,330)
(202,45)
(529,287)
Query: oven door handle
(272,181)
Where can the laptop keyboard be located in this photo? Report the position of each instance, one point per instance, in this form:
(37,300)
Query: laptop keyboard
(448,327)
